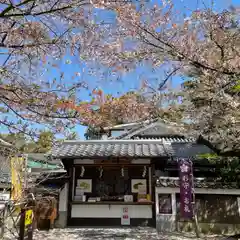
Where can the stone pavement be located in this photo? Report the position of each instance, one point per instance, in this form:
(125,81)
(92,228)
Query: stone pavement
(111,234)
(142,233)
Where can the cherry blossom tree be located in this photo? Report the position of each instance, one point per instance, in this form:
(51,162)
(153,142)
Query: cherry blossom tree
(206,43)
(105,110)
(33,34)
(203,48)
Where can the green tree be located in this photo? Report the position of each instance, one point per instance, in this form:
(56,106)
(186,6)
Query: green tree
(26,145)
(227,168)
(94,133)
(44,142)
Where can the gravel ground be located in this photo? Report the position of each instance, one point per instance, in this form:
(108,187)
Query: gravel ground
(111,234)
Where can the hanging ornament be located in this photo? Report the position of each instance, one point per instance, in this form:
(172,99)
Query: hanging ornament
(144,171)
(101,172)
(82,171)
(122,172)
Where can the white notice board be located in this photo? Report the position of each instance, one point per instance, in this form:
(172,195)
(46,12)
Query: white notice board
(125,218)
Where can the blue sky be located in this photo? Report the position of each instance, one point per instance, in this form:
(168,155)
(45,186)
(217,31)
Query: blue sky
(129,81)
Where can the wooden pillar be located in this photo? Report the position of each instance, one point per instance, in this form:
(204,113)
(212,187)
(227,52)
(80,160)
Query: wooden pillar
(174,210)
(150,180)
(174,204)
(73,182)
(154,199)
(70,191)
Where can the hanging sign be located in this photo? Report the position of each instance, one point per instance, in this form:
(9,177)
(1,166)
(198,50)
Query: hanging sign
(185,175)
(125,219)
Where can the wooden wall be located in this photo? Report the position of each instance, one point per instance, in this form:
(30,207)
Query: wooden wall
(215,209)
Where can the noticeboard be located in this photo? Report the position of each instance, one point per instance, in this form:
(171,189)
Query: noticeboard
(125,218)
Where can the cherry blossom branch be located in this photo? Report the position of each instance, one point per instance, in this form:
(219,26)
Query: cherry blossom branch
(231,153)
(180,56)
(29,12)
(174,71)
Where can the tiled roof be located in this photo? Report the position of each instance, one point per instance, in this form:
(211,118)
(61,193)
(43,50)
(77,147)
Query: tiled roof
(190,149)
(155,127)
(132,125)
(170,139)
(198,183)
(107,148)
(135,128)
(126,148)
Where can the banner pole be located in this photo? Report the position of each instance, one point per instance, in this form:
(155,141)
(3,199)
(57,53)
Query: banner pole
(195,219)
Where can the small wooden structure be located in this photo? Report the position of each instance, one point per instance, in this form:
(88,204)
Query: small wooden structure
(112,181)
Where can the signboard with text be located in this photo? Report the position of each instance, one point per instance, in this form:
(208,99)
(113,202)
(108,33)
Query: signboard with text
(125,219)
(26,225)
(28,217)
(186,188)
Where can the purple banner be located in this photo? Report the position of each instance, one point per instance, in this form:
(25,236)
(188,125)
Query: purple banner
(185,175)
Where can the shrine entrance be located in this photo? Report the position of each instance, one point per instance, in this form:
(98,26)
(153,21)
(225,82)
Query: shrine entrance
(108,193)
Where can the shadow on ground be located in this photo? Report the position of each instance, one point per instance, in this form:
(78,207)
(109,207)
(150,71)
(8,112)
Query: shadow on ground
(143,233)
(99,234)
(233,237)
